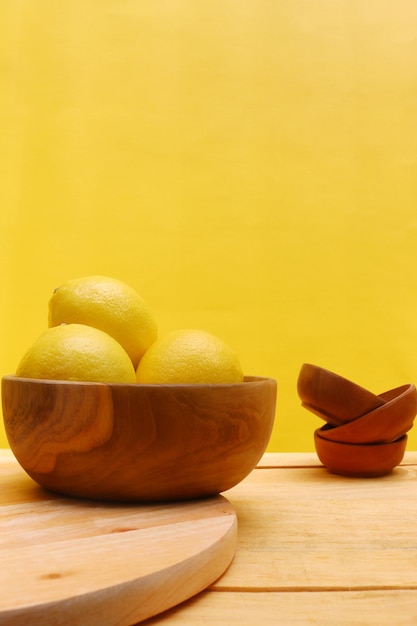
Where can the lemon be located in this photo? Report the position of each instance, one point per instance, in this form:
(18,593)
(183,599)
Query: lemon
(190,357)
(109,305)
(77,352)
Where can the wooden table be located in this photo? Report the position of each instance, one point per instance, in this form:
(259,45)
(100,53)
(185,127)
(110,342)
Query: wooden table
(315,548)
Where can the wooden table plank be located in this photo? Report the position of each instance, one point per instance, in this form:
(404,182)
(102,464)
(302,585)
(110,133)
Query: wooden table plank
(310,459)
(331,608)
(304,528)
(289,459)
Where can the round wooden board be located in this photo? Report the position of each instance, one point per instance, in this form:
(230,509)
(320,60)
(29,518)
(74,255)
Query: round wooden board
(68,561)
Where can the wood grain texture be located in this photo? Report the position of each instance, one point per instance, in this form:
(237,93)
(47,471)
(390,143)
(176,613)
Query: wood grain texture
(138,442)
(313,547)
(303,528)
(308,608)
(316,548)
(69,561)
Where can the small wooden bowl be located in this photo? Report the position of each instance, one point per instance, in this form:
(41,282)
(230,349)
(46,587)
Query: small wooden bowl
(382,425)
(138,442)
(332,397)
(360,460)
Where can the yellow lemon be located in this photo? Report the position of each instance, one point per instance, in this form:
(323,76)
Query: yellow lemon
(109,305)
(77,352)
(190,357)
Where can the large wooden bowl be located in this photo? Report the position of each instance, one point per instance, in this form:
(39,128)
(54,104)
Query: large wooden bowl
(138,442)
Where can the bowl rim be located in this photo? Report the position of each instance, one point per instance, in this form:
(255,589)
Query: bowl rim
(326,371)
(247,379)
(385,444)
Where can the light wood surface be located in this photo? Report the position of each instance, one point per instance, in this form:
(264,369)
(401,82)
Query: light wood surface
(315,548)
(67,561)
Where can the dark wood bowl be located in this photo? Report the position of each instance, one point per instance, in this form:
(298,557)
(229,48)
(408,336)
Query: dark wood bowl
(360,460)
(382,425)
(334,398)
(138,442)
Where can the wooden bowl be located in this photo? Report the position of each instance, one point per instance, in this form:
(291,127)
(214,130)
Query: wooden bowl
(138,442)
(382,425)
(335,399)
(360,460)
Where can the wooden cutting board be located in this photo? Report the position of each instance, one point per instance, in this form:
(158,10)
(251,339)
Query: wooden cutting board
(67,561)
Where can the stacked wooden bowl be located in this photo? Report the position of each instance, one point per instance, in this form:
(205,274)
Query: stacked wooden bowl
(364,434)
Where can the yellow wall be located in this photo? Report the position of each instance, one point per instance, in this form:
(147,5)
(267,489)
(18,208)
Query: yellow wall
(249,166)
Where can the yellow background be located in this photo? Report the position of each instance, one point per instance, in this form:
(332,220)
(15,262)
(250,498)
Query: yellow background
(249,166)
